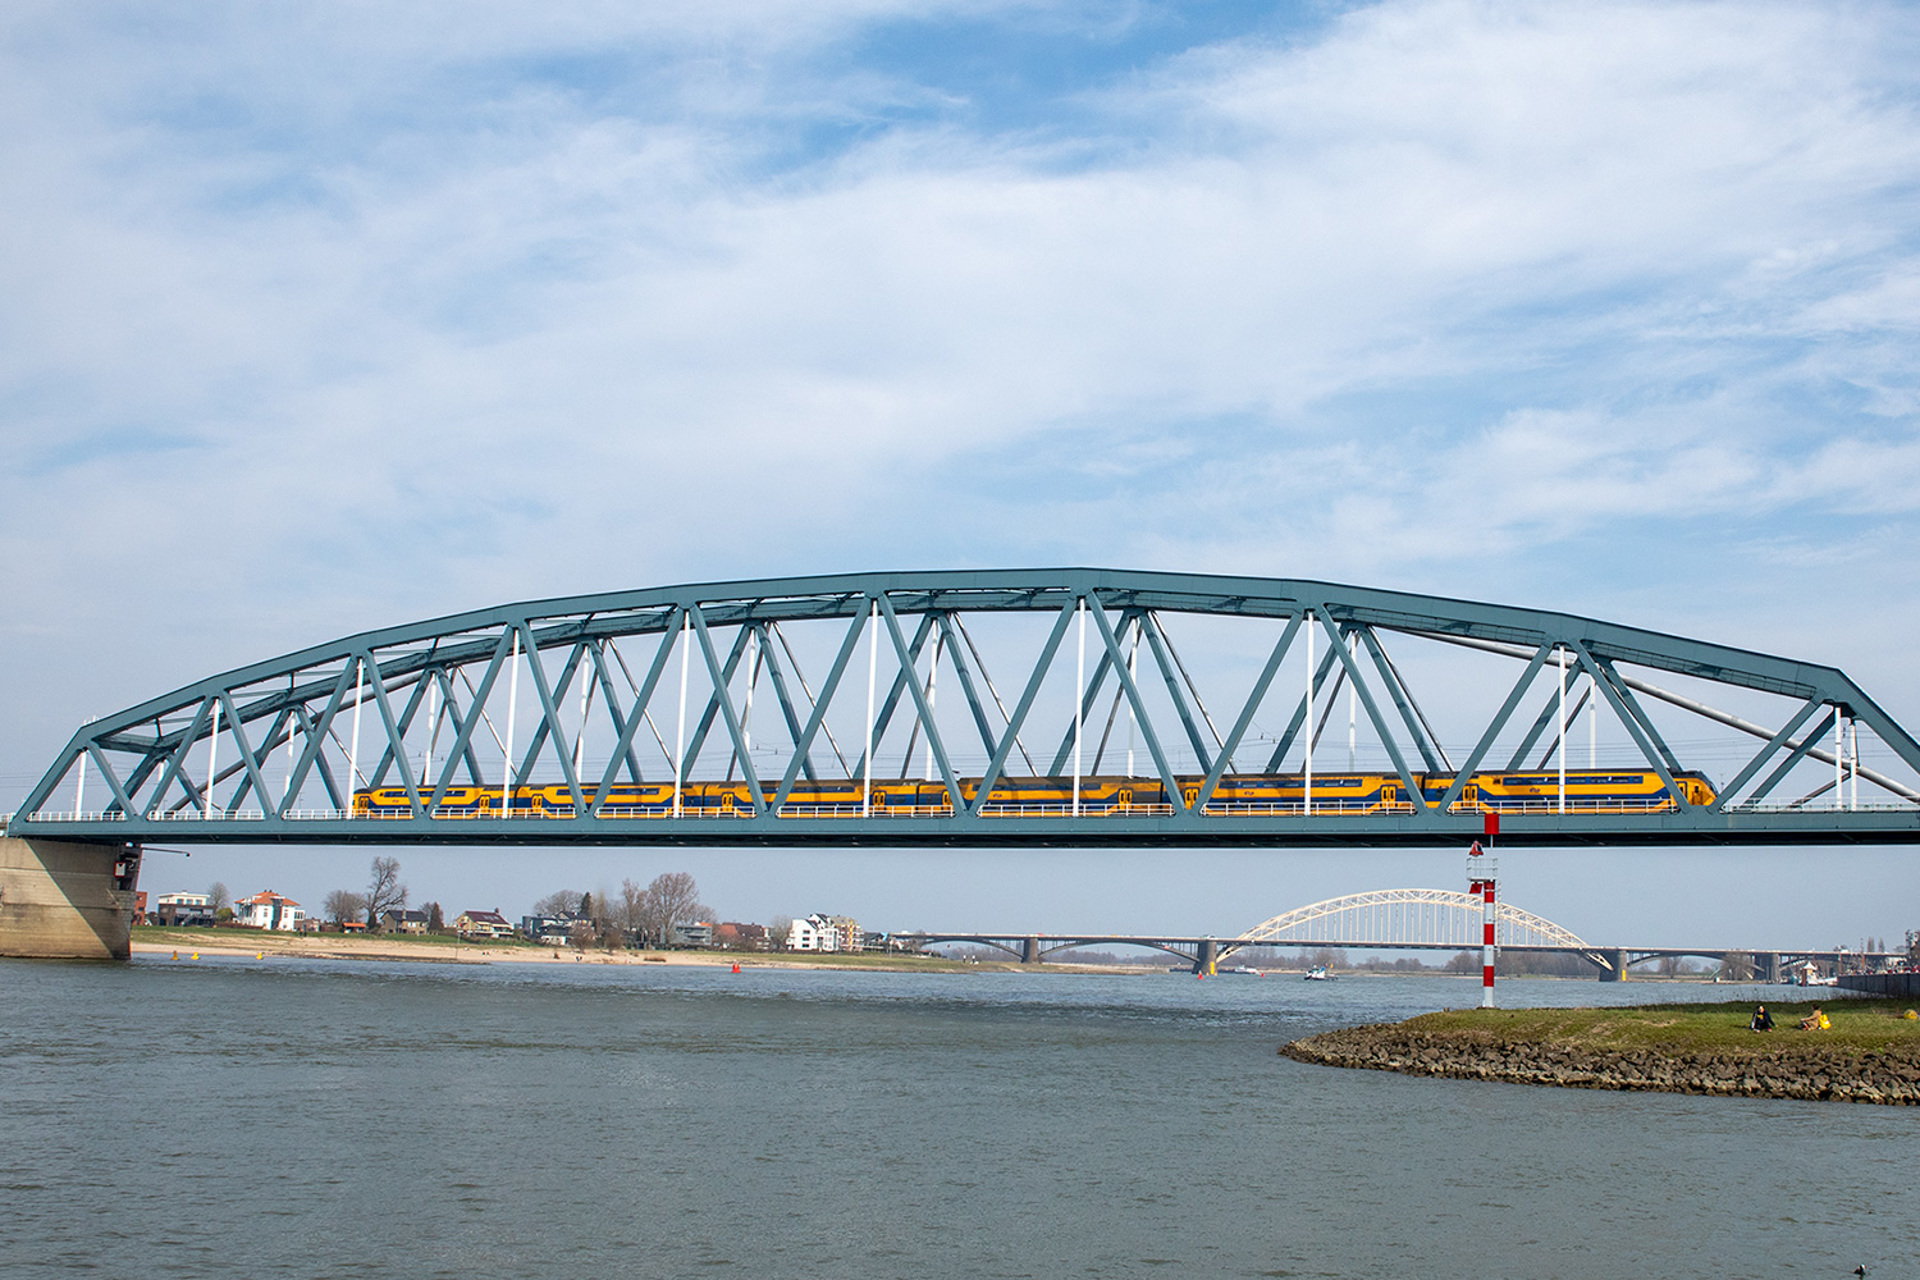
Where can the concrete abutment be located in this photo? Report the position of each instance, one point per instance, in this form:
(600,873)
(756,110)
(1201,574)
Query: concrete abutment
(67,900)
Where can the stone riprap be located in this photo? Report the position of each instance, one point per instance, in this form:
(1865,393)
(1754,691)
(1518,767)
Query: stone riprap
(1784,1068)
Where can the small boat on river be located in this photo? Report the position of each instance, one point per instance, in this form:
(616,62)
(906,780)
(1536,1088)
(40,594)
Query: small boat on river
(1319,974)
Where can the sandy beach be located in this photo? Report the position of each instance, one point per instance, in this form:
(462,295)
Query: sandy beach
(184,943)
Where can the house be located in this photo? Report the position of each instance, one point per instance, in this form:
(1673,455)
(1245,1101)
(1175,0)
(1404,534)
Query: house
(737,936)
(482,924)
(268,910)
(554,931)
(693,933)
(826,933)
(404,922)
(176,909)
(140,907)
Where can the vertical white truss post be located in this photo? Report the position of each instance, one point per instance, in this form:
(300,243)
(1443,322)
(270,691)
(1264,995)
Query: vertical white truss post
(1593,724)
(1563,728)
(353,754)
(286,786)
(680,735)
(585,674)
(1353,718)
(1079,703)
(80,780)
(1839,761)
(513,704)
(1133,674)
(433,733)
(873,675)
(933,683)
(213,758)
(1306,766)
(753,678)
(1853,766)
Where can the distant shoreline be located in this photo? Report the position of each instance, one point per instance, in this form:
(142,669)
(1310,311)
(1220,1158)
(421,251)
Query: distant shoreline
(1871,1053)
(183,943)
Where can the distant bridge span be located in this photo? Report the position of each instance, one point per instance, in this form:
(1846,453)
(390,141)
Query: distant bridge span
(1391,920)
(629,718)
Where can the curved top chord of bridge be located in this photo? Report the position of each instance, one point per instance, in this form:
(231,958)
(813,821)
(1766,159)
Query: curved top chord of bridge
(865,709)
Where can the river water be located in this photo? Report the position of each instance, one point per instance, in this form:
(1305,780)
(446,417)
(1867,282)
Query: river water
(338,1118)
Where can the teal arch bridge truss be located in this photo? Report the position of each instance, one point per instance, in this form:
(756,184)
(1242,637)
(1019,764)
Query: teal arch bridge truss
(1006,707)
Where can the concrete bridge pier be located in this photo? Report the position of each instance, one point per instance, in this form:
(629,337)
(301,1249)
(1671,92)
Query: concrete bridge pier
(1030,951)
(67,900)
(1617,958)
(1766,966)
(1209,956)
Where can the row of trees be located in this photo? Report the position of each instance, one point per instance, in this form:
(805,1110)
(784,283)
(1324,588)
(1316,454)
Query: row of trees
(383,893)
(648,914)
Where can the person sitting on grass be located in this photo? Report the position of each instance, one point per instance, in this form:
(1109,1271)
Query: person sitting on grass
(1815,1021)
(1761,1021)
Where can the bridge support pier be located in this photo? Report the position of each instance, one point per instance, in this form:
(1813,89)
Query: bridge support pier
(66,900)
(1209,957)
(1030,951)
(1618,959)
(1766,966)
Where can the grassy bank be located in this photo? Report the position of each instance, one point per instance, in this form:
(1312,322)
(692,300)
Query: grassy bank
(1871,1053)
(1858,1025)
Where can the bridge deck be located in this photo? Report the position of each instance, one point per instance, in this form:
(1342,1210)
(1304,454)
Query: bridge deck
(1701,827)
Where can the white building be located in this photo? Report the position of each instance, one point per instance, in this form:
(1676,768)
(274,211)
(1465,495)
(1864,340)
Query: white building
(268,910)
(826,933)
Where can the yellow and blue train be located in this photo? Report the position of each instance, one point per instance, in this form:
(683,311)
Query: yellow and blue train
(1587,791)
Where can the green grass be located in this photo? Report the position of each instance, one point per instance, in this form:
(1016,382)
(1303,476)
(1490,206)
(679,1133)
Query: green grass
(1858,1025)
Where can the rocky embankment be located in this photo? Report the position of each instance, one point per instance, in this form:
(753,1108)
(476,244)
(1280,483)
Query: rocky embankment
(1786,1069)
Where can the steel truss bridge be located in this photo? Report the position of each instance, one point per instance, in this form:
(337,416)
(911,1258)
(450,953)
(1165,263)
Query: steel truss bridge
(1393,920)
(855,678)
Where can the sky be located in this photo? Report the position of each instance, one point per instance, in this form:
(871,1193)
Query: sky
(322,317)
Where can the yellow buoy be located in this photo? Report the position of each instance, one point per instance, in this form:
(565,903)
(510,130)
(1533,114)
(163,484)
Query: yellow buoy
(196,955)
(176,956)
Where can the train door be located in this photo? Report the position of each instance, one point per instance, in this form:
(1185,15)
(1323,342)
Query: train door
(1193,795)
(1389,795)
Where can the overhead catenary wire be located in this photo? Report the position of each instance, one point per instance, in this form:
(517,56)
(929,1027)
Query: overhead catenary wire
(980,663)
(1680,700)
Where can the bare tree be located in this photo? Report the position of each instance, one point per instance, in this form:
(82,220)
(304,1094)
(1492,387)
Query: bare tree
(343,905)
(384,891)
(779,931)
(436,921)
(218,897)
(629,910)
(673,897)
(563,902)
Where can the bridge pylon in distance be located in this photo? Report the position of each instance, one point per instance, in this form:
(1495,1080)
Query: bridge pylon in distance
(995,707)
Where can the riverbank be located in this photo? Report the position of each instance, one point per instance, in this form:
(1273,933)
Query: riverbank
(1870,1054)
(184,943)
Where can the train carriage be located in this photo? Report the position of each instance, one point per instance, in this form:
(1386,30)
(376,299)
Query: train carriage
(1587,791)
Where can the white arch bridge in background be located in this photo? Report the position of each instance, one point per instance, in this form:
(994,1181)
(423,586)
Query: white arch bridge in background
(1445,918)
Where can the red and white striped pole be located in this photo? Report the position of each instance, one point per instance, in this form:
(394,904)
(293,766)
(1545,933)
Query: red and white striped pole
(1481,873)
